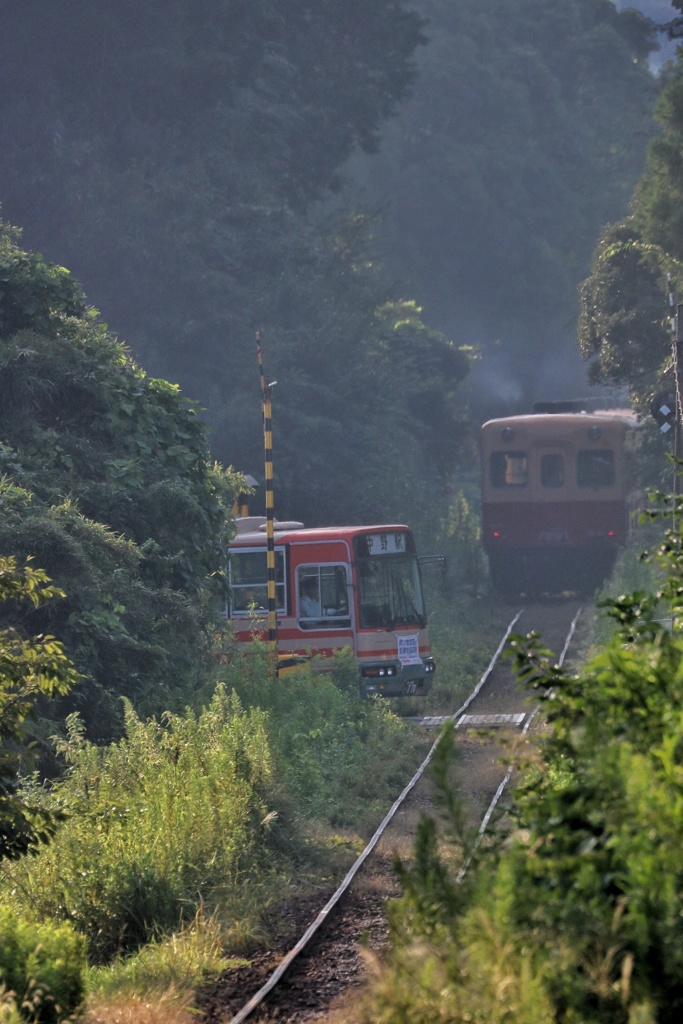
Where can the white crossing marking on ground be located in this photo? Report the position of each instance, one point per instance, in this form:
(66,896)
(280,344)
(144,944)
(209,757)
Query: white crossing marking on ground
(472,721)
(489,721)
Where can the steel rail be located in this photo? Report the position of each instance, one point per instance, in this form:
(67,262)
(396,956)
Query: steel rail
(508,775)
(277,974)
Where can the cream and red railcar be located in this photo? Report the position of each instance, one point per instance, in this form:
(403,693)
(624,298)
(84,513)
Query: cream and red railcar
(369,598)
(554,509)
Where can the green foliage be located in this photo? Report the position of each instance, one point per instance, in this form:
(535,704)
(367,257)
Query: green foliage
(42,965)
(106,481)
(623,326)
(34,294)
(167,819)
(29,669)
(576,915)
(624,302)
(193,201)
(205,810)
(339,760)
(362,374)
(175,963)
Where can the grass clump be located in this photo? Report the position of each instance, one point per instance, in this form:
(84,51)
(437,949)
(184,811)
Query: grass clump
(175,962)
(339,760)
(172,817)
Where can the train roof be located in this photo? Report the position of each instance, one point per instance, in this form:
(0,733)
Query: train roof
(564,420)
(252,530)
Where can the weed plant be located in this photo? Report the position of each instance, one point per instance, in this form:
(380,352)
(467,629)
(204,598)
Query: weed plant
(339,759)
(173,816)
(208,808)
(169,968)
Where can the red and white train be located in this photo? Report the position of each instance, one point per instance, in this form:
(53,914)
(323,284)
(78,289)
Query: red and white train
(356,587)
(554,497)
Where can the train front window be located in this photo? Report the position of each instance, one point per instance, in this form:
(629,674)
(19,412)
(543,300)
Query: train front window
(595,467)
(552,470)
(389,586)
(509,469)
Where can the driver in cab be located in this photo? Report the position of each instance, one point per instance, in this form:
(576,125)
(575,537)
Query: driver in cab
(310,598)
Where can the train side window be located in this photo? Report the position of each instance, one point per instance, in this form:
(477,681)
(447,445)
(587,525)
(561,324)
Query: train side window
(595,467)
(248,575)
(552,470)
(323,597)
(509,469)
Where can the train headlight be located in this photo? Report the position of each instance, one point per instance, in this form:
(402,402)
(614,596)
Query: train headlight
(595,433)
(507,433)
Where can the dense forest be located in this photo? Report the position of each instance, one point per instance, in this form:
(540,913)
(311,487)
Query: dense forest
(525,133)
(199,171)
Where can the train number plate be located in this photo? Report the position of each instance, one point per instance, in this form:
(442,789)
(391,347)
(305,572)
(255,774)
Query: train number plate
(553,537)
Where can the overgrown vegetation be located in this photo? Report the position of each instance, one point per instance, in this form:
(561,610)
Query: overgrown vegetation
(575,914)
(41,964)
(30,668)
(207,811)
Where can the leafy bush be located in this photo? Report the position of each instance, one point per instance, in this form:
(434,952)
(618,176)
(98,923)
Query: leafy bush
(29,670)
(173,816)
(43,965)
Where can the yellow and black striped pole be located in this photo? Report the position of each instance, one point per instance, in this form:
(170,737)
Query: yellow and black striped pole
(266,393)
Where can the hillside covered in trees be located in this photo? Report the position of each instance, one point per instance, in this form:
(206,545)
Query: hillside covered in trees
(190,165)
(525,133)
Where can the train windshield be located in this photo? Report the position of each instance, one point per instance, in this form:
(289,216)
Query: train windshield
(388,580)
(595,467)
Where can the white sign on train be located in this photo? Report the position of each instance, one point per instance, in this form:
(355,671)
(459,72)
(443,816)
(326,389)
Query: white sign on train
(408,651)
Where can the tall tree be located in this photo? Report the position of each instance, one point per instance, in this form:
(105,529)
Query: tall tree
(525,134)
(106,480)
(624,325)
(169,154)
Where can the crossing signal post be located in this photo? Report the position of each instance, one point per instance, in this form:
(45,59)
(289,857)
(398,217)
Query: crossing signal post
(266,398)
(663,408)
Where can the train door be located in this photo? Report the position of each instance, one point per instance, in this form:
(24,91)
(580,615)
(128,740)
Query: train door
(553,489)
(552,472)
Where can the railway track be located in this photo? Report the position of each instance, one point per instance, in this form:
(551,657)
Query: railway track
(317,963)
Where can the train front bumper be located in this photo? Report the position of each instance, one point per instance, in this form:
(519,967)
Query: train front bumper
(392,679)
